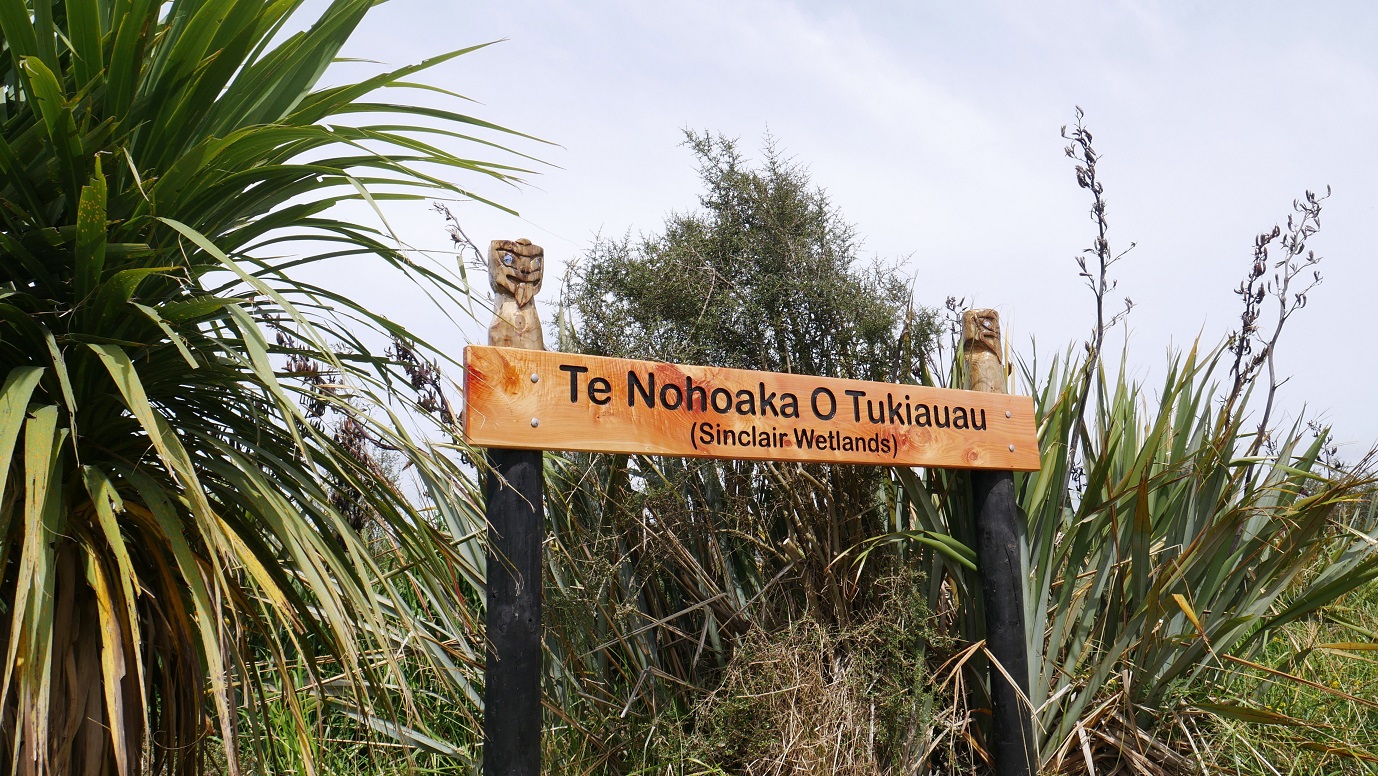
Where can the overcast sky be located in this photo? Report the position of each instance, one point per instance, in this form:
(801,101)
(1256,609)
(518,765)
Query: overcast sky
(934,127)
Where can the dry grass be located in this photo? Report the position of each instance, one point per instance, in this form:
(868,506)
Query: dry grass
(791,704)
(808,699)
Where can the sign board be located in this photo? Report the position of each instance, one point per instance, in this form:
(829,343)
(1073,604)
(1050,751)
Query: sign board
(542,400)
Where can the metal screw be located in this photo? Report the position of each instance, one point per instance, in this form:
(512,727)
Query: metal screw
(535,378)
(1011,446)
(537,421)
(1007,412)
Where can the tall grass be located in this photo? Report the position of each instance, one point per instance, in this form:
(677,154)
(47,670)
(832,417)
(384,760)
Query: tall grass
(1323,722)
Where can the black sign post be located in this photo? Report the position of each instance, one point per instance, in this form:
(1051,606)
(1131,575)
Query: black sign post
(512,671)
(1002,578)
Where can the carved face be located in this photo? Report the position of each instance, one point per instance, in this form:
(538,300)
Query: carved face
(981,330)
(516,268)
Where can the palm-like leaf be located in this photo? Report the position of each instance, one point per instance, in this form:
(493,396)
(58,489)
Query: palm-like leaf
(1170,560)
(168,510)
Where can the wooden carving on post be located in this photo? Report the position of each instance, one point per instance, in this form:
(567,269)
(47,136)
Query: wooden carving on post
(515,269)
(981,338)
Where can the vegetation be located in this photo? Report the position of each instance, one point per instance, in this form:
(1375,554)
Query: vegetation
(767,276)
(1168,570)
(1318,718)
(185,420)
(207,562)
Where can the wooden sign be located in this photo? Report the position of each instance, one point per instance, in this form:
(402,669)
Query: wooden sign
(537,400)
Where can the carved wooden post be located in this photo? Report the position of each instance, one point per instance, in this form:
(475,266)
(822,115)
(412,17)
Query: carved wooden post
(1012,743)
(516,528)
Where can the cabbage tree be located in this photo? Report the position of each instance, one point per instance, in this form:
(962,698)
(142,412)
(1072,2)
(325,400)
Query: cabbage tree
(171,519)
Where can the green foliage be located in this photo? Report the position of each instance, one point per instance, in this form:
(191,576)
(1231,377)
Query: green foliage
(766,275)
(1164,567)
(169,509)
(1327,722)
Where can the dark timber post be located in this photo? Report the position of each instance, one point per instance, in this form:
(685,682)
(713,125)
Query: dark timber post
(1012,743)
(512,672)
(516,529)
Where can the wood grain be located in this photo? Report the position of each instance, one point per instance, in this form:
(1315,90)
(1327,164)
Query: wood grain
(505,407)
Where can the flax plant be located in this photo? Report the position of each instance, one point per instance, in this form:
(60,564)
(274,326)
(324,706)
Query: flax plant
(175,568)
(1164,572)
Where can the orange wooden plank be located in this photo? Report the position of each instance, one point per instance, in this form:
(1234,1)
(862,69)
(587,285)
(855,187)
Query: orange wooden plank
(541,400)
